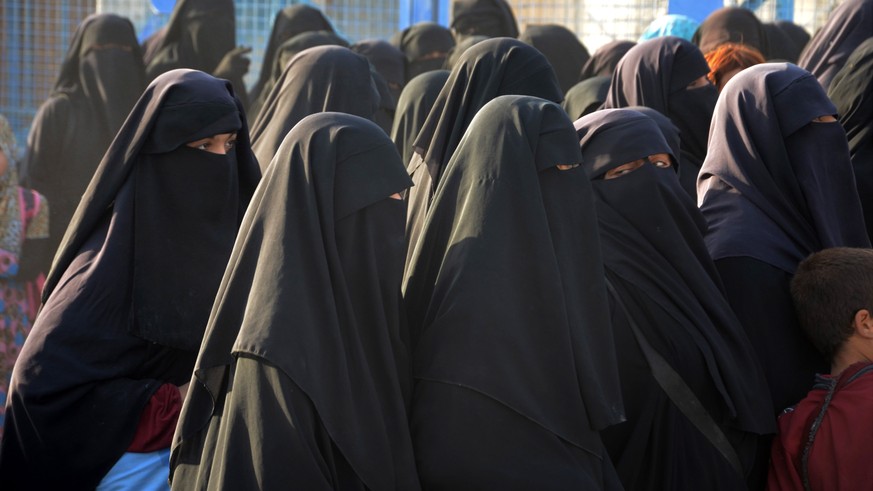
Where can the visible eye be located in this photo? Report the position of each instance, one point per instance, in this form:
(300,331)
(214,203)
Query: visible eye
(566,166)
(828,118)
(660,160)
(202,146)
(230,144)
(624,169)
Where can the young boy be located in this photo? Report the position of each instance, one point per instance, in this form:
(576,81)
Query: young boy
(824,441)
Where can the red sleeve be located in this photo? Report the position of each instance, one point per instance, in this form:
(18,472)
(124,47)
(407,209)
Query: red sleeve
(158,421)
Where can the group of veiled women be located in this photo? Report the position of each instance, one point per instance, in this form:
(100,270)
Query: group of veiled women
(503,294)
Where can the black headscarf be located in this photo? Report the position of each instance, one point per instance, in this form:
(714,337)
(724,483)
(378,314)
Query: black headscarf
(425,45)
(491,18)
(562,48)
(655,74)
(849,25)
(101,78)
(127,300)
(389,65)
(586,96)
(459,49)
(797,33)
(416,101)
(731,25)
(489,69)
(198,35)
(504,290)
(852,93)
(668,130)
(775,186)
(285,53)
(289,22)
(312,288)
(605,59)
(653,251)
(319,79)
(780,44)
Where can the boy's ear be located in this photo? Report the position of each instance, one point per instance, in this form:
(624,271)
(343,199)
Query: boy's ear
(863,323)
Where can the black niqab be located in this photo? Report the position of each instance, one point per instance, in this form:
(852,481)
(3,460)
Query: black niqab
(312,289)
(849,25)
(425,45)
(731,25)
(656,74)
(504,290)
(775,186)
(852,93)
(605,59)
(319,79)
(562,48)
(415,103)
(289,22)
(132,285)
(490,18)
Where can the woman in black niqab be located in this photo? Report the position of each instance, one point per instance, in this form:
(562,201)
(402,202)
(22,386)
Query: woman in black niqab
(561,47)
(849,25)
(425,45)
(489,69)
(852,93)
(289,22)
(776,186)
(319,79)
(389,66)
(490,18)
(305,346)
(586,97)
(664,282)
(101,78)
(731,25)
(415,103)
(514,362)
(126,302)
(603,62)
(668,74)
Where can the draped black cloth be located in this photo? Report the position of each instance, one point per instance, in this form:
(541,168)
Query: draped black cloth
(668,130)
(849,25)
(780,45)
(489,69)
(656,74)
(425,45)
(490,18)
(285,53)
(416,101)
(586,96)
(514,361)
(389,63)
(289,22)
(776,187)
(198,36)
(459,49)
(731,25)
(603,62)
(562,48)
(319,79)
(797,33)
(306,344)
(852,93)
(126,303)
(101,77)
(653,252)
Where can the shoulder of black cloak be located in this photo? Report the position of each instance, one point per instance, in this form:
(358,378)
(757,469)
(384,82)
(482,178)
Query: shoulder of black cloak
(122,155)
(852,93)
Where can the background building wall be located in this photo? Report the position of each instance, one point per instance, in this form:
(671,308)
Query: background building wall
(34,34)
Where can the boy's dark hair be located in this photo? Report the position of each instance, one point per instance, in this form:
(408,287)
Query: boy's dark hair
(828,288)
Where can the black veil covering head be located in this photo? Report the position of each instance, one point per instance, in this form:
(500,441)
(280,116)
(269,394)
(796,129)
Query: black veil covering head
(775,186)
(425,45)
(731,25)
(669,131)
(656,74)
(586,96)
(780,45)
(561,47)
(849,25)
(459,49)
(197,36)
(312,288)
(388,68)
(289,22)
(128,297)
(415,103)
(504,290)
(652,242)
(284,54)
(603,62)
(491,18)
(852,93)
(319,79)
(797,34)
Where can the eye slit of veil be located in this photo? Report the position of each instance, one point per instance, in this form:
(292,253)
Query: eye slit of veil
(567,166)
